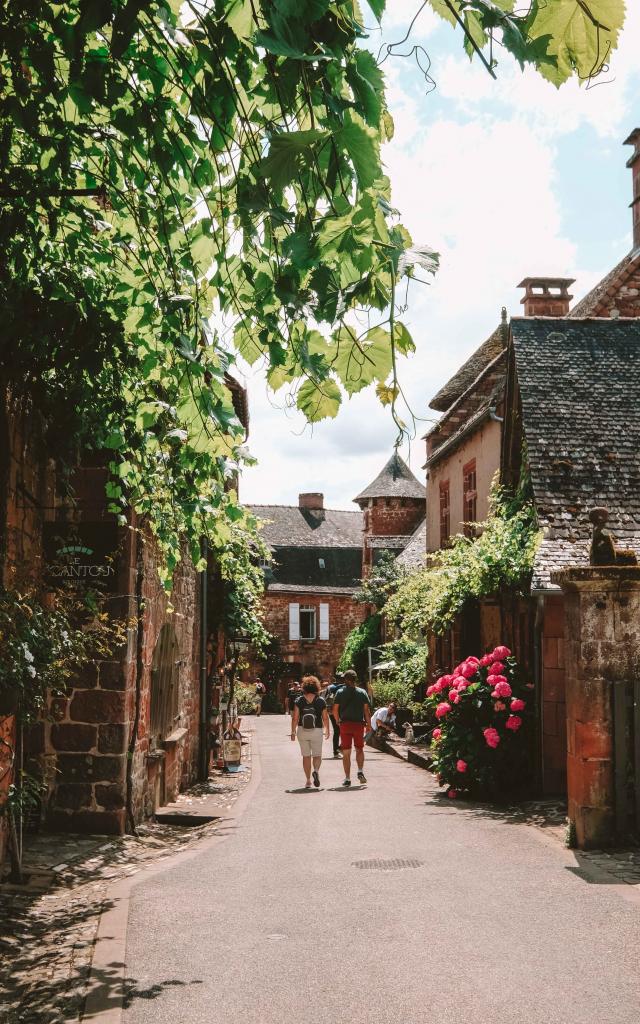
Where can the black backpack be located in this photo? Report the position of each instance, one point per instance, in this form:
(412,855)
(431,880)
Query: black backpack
(308,715)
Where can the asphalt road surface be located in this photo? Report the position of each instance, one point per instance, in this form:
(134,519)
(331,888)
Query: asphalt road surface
(278,923)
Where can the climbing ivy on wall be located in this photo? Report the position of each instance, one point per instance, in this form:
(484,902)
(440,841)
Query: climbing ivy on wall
(428,601)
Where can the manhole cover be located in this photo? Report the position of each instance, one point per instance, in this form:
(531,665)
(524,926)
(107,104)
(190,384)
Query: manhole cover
(395,864)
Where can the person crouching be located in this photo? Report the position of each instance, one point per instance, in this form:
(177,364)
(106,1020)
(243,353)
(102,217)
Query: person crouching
(310,723)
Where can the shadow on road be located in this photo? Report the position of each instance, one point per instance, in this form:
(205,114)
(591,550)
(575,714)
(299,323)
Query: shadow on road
(544,814)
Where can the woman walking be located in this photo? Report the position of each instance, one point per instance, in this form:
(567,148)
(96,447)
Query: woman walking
(310,723)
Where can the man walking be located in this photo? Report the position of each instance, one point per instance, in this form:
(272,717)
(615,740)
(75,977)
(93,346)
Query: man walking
(352,712)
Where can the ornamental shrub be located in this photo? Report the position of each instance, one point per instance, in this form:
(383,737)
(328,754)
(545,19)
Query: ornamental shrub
(483,710)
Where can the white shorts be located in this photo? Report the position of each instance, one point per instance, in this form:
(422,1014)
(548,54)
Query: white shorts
(310,741)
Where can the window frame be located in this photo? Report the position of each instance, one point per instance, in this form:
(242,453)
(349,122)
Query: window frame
(445,512)
(313,611)
(469,497)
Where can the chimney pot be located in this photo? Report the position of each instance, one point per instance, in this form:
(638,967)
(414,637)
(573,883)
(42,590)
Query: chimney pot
(546,296)
(312,500)
(634,163)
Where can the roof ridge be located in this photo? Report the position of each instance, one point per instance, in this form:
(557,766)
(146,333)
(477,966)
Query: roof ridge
(258,504)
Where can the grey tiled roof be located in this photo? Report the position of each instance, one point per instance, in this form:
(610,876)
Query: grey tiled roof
(588,305)
(315,566)
(414,555)
(395,480)
(580,392)
(290,526)
(388,541)
(465,376)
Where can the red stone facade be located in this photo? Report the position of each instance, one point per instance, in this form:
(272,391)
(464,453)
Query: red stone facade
(82,744)
(318,657)
(88,742)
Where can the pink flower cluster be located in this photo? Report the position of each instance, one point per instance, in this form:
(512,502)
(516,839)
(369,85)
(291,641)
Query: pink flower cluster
(449,691)
(492,737)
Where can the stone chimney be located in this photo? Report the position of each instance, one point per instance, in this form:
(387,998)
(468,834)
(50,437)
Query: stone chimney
(546,296)
(312,501)
(634,163)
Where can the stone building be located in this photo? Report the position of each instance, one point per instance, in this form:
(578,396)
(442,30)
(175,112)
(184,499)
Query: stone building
(129,732)
(470,444)
(320,556)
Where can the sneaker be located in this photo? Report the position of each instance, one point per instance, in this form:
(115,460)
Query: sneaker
(337,753)
(307,785)
(316,780)
(346,783)
(361,777)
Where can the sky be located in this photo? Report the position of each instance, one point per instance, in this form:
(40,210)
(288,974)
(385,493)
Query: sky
(505,179)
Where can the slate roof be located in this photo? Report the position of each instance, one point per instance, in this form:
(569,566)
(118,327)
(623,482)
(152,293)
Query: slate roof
(395,480)
(588,305)
(414,555)
(288,525)
(580,393)
(315,567)
(465,376)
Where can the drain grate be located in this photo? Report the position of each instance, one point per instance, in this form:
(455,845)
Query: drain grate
(395,864)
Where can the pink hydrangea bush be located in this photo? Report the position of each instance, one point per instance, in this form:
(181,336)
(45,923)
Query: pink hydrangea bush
(480,746)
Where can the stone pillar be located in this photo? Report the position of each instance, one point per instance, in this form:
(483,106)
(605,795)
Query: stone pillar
(602,638)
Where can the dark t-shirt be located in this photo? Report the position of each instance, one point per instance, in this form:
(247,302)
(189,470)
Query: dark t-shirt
(352,700)
(317,706)
(292,696)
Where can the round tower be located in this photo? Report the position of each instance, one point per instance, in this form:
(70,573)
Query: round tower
(392,505)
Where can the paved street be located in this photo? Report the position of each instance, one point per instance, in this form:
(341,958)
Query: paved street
(277,923)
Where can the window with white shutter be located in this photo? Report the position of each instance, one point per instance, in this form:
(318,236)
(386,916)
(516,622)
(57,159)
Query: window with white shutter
(294,621)
(324,622)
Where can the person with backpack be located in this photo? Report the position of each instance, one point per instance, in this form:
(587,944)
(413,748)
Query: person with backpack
(352,712)
(310,724)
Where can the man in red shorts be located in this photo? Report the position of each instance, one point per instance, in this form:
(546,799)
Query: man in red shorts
(352,712)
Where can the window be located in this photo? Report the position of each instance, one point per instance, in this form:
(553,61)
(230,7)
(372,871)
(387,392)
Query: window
(445,507)
(307,623)
(469,496)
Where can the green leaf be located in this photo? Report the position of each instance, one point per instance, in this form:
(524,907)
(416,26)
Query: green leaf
(377,6)
(387,393)
(244,339)
(404,341)
(319,401)
(360,142)
(239,17)
(287,153)
(582,35)
(367,81)
(360,361)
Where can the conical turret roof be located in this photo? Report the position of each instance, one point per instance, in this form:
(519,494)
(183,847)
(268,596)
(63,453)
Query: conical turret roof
(394,481)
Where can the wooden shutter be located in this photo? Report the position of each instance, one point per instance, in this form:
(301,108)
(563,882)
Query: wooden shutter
(324,622)
(294,621)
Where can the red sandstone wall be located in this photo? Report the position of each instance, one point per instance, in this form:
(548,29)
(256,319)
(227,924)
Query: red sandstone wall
(389,517)
(483,446)
(89,740)
(317,656)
